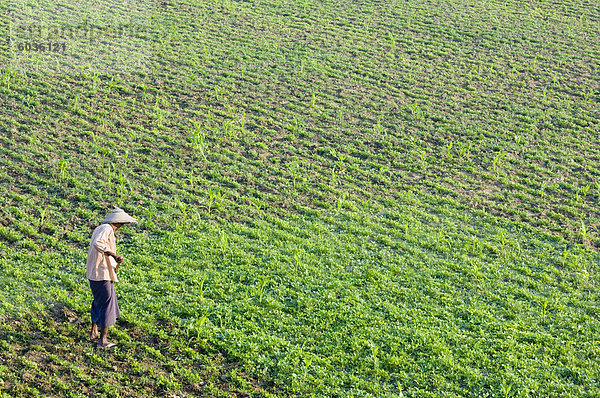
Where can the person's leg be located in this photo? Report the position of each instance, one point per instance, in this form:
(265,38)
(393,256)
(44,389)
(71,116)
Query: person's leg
(96,308)
(105,310)
(94,331)
(102,341)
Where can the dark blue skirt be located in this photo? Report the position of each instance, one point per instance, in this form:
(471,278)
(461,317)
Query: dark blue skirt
(105,309)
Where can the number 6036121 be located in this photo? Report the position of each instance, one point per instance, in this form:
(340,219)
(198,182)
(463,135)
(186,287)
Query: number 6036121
(35,46)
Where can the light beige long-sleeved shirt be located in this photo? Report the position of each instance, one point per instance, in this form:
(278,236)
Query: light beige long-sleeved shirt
(103,239)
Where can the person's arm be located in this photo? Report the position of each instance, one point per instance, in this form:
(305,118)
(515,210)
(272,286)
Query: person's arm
(101,244)
(110,270)
(118,258)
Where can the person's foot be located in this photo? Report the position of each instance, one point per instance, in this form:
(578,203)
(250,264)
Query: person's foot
(105,345)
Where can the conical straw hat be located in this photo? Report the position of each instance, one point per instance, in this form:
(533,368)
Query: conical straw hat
(118,216)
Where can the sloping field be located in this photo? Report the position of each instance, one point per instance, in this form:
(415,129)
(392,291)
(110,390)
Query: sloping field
(336,198)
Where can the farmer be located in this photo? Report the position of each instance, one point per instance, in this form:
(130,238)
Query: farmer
(102,265)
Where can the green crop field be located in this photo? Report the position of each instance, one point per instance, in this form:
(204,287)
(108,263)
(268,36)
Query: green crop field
(335,199)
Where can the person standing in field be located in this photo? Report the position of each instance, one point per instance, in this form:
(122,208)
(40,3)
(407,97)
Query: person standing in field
(101,269)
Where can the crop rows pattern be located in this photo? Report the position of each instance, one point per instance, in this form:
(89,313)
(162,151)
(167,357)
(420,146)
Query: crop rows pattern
(336,198)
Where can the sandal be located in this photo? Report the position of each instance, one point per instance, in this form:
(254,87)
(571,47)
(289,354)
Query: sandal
(107,345)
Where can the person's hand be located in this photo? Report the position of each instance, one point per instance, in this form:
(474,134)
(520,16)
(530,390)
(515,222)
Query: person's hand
(119,262)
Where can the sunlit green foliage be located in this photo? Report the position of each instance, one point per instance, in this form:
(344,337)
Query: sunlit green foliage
(346,198)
